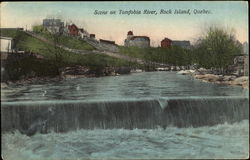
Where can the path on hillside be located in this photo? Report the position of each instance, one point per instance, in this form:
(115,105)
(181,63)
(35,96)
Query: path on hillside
(97,50)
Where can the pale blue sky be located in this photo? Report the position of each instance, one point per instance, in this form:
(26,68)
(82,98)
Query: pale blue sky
(115,27)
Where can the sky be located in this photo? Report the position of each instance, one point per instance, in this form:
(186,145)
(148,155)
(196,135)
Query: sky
(231,15)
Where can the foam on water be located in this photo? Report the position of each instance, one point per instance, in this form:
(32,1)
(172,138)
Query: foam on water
(101,117)
(220,141)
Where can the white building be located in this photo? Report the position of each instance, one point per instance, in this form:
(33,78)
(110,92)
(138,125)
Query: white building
(83,33)
(136,41)
(7,44)
(53,25)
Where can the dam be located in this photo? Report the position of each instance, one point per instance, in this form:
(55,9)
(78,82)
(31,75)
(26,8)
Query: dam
(142,115)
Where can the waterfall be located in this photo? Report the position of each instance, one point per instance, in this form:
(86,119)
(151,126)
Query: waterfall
(63,116)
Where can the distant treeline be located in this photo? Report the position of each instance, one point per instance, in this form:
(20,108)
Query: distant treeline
(215,49)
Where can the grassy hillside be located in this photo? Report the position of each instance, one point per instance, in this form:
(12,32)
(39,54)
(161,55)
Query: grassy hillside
(70,42)
(28,43)
(54,58)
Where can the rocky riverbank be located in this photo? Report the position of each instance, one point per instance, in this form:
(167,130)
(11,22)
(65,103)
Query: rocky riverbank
(72,72)
(83,71)
(207,76)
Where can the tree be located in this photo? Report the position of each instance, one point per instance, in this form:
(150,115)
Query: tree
(38,28)
(217,48)
(57,51)
(54,37)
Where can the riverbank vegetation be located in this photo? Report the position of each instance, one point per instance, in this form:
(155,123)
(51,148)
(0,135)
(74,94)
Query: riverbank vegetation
(175,56)
(215,49)
(29,44)
(67,41)
(54,57)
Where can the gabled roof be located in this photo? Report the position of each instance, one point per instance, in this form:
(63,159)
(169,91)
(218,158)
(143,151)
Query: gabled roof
(107,41)
(167,39)
(144,37)
(72,25)
(130,33)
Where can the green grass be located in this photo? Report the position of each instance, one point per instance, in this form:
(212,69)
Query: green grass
(25,42)
(70,42)
(8,32)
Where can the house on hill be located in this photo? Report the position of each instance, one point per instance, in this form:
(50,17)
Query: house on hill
(136,41)
(53,25)
(73,30)
(83,33)
(183,44)
(166,43)
(108,45)
(92,36)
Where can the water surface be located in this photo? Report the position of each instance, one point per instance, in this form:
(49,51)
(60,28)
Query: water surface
(139,85)
(216,142)
(224,140)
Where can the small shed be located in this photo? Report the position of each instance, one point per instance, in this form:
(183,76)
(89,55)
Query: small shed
(7,44)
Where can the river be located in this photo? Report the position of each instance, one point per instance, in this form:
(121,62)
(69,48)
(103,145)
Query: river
(141,115)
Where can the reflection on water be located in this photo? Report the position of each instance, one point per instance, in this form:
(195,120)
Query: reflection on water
(139,85)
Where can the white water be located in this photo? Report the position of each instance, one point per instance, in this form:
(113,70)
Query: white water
(220,141)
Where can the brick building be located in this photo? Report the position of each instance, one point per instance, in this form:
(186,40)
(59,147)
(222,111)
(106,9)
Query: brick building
(73,30)
(166,43)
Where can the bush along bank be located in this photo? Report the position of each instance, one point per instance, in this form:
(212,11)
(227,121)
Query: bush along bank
(31,67)
(23,66)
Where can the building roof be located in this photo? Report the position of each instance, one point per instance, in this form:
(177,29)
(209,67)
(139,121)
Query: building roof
(166,39)
(107,41)
(52,22)
(130,33)
(181,43)
(144,37)
(72,25)
(7,38)
(81,30)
